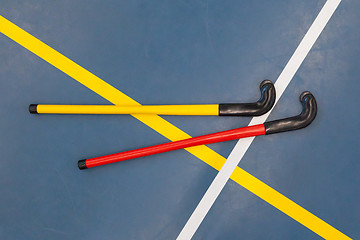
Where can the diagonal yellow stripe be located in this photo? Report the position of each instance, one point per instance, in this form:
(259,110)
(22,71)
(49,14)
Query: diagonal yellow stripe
(168,130)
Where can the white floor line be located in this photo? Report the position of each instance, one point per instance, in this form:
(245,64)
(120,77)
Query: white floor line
(243,144)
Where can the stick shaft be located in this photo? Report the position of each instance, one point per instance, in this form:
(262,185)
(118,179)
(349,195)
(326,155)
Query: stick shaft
(201,109)
(237,133)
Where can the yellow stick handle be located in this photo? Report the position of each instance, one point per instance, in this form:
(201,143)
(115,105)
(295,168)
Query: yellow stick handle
(203,109)
(263,105)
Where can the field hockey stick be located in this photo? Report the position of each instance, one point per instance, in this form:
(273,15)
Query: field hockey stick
(288,124)
(263,105)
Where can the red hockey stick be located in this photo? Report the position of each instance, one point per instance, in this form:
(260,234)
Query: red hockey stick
(288,124)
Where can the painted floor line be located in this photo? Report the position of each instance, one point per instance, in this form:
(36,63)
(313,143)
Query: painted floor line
(163,127)
(243,145)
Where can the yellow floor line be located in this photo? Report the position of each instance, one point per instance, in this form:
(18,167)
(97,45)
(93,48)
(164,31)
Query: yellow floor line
(168,130)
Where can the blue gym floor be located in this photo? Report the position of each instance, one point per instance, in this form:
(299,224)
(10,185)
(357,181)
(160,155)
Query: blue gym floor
(175,52)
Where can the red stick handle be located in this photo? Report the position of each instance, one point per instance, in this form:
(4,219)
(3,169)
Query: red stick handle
(228,135)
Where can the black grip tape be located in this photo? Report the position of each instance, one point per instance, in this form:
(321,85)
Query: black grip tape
(82,164)
(33,108)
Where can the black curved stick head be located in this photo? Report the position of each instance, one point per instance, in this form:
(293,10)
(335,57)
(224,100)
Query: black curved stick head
(262,106)
(306,117)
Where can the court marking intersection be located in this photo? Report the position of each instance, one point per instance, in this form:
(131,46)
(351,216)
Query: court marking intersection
(243,145)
